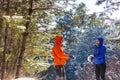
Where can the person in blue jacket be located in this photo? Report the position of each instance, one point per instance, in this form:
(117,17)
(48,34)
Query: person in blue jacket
(100,59)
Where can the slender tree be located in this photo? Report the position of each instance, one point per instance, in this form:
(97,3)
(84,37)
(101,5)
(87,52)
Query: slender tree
(5,43)
(25,35)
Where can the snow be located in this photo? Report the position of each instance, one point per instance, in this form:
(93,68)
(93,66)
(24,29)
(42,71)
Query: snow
(17,17)
(21,27)
(14,17)
(41,29)
(41,64)
(24,79)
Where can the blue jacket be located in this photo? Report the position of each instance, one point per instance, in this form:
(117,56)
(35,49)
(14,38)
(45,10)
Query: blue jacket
(100,52)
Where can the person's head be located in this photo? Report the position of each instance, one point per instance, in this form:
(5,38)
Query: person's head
(58,40)
(99,41)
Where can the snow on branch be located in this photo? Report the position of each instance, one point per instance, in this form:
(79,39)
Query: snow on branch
(116,38)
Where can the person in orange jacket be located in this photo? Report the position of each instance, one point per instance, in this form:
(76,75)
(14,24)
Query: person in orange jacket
(59,58)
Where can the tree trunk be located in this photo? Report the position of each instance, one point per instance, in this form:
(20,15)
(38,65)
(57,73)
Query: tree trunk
(25,35)
(4,53)
(5,44)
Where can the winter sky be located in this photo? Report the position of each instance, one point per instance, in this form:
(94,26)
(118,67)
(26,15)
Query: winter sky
(90,4)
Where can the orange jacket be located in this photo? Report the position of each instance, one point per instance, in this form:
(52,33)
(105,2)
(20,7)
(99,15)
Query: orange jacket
(58,53)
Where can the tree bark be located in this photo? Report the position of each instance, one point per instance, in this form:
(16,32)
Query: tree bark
(25,35)
(3,67)
(4,53)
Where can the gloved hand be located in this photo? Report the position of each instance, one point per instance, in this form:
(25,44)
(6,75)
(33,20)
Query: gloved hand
(71,56)
(90,58)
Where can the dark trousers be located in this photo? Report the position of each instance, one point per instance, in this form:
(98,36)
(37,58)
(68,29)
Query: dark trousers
(60,72)
(100,71)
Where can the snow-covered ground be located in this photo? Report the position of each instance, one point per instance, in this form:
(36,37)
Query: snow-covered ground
(24,79)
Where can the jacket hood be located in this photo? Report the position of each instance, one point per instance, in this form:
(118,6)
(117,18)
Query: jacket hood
(58,40)
(100,41)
